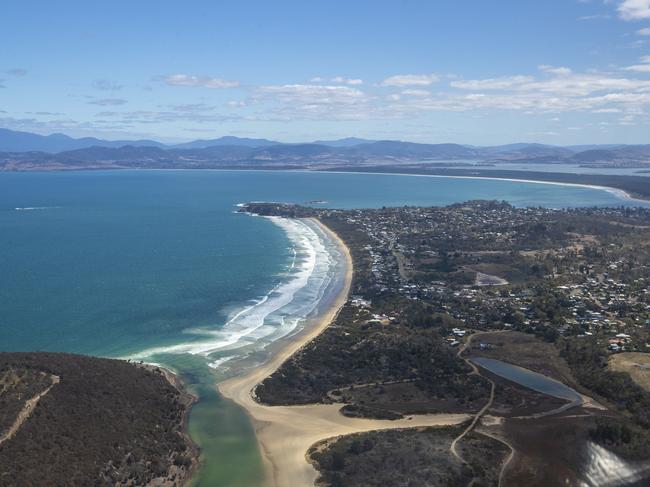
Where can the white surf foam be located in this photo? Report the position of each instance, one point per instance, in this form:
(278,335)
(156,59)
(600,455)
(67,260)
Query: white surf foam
(217,363)
(34,208)
(281,310)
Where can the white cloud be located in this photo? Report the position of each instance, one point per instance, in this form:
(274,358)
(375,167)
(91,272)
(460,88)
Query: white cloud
(559,70)
(491,83)
(634,9)
(644,67)
(639,68)
(595,17)
(107,102)
(199,81)
(341,80)
(644,32)
(562,83)
(314,93)
(416,93)
(314,101)
(552,91)
(347,81)
(557,90)
(606,110)
(411,80)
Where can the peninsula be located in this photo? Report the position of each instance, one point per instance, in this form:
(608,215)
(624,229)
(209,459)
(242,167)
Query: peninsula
(91,421)
(400,385)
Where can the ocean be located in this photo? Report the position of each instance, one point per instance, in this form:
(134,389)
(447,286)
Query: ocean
(159,266)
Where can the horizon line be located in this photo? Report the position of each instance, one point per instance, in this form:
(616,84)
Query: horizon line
(315,141)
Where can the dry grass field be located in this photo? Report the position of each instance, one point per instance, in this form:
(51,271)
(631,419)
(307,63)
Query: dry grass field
(634,363)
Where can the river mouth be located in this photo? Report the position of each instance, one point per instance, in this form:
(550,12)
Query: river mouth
(230,454)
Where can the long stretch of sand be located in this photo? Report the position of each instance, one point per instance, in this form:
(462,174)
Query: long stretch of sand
(285,433)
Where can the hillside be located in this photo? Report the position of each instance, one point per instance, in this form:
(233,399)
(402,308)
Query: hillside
(15,141)
(75,420)
(22,151)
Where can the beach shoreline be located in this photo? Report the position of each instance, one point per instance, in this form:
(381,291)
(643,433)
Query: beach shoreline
(240,388)
(285,433)
(620,193)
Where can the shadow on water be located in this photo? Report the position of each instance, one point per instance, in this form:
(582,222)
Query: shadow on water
(229,452)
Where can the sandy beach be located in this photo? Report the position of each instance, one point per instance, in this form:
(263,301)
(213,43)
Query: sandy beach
(285,433)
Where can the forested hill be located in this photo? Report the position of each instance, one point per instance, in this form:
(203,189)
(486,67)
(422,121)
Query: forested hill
(76,420)
(28,151)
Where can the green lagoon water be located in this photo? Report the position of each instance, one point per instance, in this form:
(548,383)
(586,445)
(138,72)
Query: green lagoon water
(156,265)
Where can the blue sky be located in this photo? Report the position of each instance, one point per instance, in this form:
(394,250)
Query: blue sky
(476,72)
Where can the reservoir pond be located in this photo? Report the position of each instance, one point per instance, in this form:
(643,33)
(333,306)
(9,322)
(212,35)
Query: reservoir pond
(528,378)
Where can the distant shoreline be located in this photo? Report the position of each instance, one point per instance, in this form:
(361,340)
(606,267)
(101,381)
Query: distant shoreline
(533,177)
(615,191)
(635,189)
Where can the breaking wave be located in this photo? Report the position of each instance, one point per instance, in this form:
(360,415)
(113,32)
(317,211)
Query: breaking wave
(35,208)
(278,313)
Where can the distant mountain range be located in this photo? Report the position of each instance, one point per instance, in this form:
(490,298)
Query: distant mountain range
(27,151)
(227,140)
(13,141)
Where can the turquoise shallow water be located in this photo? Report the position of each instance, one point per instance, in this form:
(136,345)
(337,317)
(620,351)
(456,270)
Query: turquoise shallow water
(114,263)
